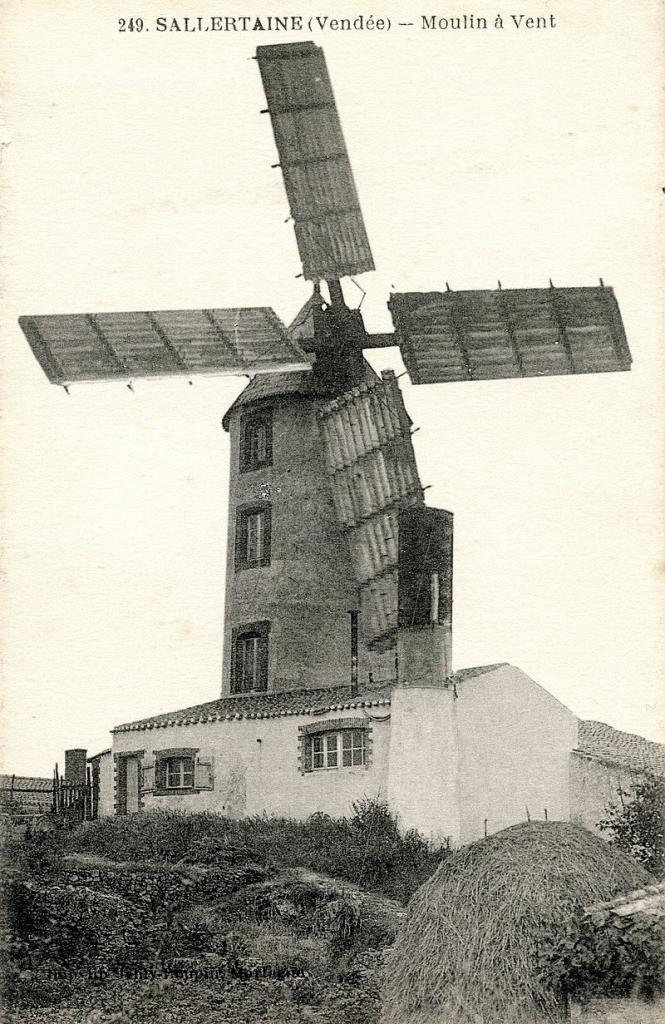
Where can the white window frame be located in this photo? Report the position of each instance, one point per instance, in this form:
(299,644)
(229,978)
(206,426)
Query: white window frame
(184,770)
(343,748)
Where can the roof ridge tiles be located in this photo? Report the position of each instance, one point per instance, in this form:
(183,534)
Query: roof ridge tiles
(277,703)
(270,704)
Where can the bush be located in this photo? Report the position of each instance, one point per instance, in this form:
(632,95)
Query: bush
(366,849)
(176,895)
(602,954)
(34,855)
(636,824)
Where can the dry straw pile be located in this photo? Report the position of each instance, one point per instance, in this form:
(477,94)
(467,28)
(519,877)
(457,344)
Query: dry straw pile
(467,951)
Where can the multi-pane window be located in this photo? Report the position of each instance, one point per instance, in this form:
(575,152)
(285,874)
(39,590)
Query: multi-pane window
(344,749)
(249,668)
(253,530)
(324,750)
(179,772)
(353,747)
(255,441)
(176,770)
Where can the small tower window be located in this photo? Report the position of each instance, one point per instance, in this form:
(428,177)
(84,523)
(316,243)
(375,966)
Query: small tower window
(249,662)
(253,536)
(256,441)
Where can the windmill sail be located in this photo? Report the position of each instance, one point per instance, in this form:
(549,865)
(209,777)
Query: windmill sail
(322,196)
(367,440)
(521,332)
(111,346)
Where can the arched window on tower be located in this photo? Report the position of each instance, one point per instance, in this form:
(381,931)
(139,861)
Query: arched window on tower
(249,657)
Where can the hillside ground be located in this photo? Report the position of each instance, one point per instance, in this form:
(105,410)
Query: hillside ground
(165,917)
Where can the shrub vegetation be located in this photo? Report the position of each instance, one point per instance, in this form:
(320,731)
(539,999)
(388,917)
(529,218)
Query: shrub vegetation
(284,914)
(603,955)
(636,824)
(367,849)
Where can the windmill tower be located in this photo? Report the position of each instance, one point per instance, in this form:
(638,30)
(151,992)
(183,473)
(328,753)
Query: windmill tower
(333,557)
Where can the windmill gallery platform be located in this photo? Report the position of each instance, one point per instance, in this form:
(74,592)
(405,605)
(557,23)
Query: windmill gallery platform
(337,676)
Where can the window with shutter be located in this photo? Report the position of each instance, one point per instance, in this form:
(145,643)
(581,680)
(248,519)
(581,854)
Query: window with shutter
(253,536)
(203,773)
(256,441)
(174,770)
(249,657)
(148,774)
(160,774)
(180,773)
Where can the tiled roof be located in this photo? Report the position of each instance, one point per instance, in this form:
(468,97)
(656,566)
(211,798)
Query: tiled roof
(274,705)
(26,793)
(107,750)
(270,385)
(25,782)
(597,739)
(265,705)
(650,900)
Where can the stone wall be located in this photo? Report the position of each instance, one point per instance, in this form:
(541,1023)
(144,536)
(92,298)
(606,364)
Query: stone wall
(620,1011)
(309,587)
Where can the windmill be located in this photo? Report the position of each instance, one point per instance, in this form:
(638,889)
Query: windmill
(329,534)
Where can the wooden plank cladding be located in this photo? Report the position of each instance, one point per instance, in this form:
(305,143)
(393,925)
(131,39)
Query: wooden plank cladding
(322,196)
(517,332)
(110,346)
(370,460)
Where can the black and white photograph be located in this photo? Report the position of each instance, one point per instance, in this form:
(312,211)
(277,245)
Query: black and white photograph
(332,475)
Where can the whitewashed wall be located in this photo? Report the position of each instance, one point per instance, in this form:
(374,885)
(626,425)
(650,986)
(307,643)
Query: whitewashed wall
(594,784)
(515,743)
(256,768)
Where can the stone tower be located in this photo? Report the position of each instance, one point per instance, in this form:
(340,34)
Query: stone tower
(290,584)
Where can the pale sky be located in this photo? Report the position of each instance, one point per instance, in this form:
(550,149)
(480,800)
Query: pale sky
(137,176)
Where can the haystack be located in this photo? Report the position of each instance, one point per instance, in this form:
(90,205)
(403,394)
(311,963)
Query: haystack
(467,951)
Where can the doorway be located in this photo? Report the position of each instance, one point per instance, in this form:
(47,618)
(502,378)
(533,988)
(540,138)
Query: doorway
(128,783)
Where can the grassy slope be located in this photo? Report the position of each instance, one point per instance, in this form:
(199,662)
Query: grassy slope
(251,912)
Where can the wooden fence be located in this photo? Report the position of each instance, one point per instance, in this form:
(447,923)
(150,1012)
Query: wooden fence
(30,798)
(75,801)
